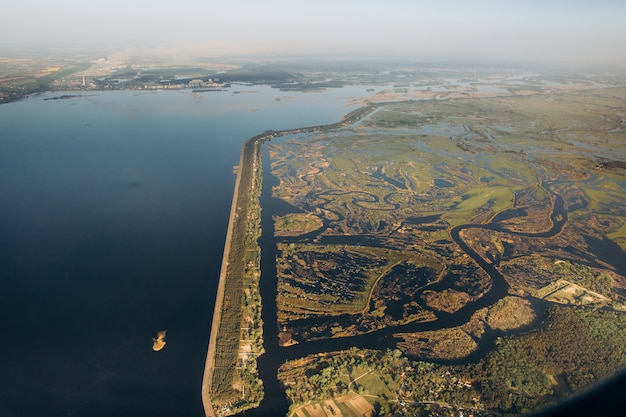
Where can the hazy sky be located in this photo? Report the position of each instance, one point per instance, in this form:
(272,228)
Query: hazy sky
(557,31)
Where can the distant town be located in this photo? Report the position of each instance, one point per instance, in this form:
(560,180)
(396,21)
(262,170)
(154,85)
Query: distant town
(25,75)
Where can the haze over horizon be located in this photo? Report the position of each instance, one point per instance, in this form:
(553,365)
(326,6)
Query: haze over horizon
(576,32)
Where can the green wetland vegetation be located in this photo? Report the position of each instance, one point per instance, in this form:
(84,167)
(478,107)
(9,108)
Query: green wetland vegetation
(483,237)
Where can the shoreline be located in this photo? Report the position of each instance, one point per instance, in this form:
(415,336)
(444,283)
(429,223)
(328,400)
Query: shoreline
(237,306)
(248,175)
(217,312)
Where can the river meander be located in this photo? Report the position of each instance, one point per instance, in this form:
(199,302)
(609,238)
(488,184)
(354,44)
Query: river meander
(274,402)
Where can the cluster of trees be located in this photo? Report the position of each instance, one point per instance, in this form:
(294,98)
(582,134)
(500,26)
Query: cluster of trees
(566,346)
(585,276)
(606,326)
(573,349)
(516,377)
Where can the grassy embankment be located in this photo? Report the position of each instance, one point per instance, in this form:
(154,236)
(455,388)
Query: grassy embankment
(231,383)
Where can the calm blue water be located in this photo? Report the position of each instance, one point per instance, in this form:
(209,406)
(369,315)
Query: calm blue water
(113,214)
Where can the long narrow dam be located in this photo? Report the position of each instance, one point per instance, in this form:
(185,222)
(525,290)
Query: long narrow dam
(230,382)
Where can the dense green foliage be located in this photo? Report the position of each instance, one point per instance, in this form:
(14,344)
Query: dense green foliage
(586,277)
(608,327)
(516,376)
(573,349)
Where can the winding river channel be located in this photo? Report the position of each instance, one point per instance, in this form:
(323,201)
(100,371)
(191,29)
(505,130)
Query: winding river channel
(275,402)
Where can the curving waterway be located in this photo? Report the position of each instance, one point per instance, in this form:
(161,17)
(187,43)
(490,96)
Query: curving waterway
(275,402)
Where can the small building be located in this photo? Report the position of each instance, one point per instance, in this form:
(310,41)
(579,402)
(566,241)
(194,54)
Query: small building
(195,83)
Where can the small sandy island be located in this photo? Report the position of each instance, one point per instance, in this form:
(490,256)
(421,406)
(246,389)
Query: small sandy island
(159,341)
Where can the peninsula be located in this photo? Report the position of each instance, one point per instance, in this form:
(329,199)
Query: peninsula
(230,383)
